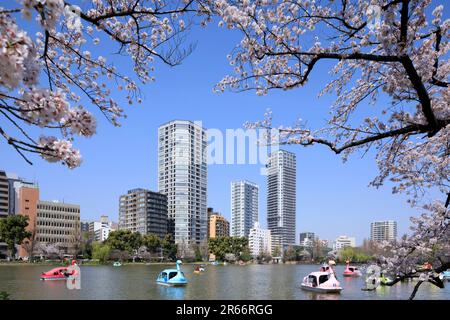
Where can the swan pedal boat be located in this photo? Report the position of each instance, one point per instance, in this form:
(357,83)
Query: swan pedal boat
(199,269)
(384,280)
(445,275)
(351,271)
(321,282)
(172,277)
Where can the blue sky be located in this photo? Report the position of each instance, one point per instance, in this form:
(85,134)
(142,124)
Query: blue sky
(333,198)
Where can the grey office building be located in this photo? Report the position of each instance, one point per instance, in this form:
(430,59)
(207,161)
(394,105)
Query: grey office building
(281,196)
(143,211)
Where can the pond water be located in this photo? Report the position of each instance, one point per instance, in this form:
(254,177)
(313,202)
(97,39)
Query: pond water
(272,282)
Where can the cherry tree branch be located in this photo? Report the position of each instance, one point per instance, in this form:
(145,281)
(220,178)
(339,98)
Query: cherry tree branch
(410,129)
(405,61)
(404,22)
(131,13)
(416,287)
(421,92)
(12,143)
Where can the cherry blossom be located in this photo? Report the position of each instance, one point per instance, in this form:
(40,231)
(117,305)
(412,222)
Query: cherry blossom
(16,55)
(429,243)
(73,78)
(54,149)
(397,50)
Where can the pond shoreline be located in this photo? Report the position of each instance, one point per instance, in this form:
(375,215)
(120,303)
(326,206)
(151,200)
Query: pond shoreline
(95,263)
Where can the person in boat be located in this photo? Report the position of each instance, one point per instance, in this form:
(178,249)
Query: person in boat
(331,264)
(314,282)
(68,274)
(427,266)
(324,268)
(383,279)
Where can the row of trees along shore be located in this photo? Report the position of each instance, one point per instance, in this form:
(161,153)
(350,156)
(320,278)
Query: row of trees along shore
(125,245)
(388,66)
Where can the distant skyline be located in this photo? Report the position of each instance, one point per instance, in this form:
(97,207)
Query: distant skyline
(332,197)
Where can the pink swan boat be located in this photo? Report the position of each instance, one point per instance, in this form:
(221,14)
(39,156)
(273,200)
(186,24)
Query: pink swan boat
(321,282)
(351,271)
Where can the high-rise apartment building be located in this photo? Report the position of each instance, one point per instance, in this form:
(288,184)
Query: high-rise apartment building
(383,230)
(244,207)
(15,183)
(143,211)
(4,207)
(281,196)
(4,195)
(218,226)
(182,176)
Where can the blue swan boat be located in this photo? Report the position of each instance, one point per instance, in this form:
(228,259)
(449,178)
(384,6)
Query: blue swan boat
(445,275)
(172,277)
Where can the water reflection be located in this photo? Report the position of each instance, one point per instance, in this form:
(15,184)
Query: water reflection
(175,293)
(383,291)
(319,296)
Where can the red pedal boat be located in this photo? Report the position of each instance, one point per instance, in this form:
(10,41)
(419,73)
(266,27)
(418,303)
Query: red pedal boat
(59,273)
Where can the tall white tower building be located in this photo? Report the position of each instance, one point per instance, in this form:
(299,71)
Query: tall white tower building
(182,176)
(244,207)
(281,196)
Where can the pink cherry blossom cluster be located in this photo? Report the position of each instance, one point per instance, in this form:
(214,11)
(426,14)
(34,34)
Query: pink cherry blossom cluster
(429,241)
(54,149)
(62,56)
(80,122)
(17,55)
(42,106)
(46,108)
